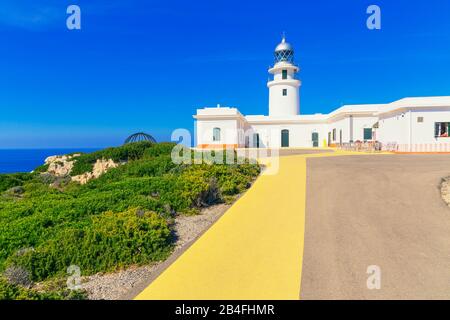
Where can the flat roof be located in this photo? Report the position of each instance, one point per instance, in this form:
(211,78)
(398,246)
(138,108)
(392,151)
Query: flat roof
(356,109)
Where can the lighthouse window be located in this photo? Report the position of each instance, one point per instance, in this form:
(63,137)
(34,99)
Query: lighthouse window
(284,74)
(216,134)
(284,92)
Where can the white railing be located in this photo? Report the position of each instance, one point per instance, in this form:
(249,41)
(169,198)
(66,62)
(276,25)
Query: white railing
(423,147)
(374,146)
(368,146)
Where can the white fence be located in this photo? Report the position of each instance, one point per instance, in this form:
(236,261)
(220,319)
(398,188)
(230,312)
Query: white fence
(369,146)
(373,146)
(419,147)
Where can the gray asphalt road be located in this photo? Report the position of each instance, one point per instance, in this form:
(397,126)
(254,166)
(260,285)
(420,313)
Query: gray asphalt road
(383,210)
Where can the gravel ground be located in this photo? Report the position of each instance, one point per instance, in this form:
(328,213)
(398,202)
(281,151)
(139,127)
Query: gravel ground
(114,286)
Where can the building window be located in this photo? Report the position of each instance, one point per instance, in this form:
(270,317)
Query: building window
(442,129)
(284,92)
(284,138)
(284,74)
(334,134)
(216,134)
(367,134)
(420,119)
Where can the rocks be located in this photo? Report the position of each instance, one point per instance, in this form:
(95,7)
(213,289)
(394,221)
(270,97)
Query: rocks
(15,192)
(61,181)
(187,228)
(445,190)
(114,286)
(18,276)
(100,167)
(60,166)
(47,178)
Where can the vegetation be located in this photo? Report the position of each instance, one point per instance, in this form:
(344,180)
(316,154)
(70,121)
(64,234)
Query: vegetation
(8,181)
(10,291)
(131,151)
(122,218)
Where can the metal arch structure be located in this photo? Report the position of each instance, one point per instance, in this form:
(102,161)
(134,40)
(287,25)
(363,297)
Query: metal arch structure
(138,137)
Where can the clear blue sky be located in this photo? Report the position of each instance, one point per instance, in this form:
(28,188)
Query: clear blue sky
(140,65)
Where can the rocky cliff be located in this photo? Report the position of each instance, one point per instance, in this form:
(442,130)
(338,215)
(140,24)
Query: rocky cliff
(61,166)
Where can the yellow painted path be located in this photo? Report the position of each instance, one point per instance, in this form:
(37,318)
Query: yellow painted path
(254,251)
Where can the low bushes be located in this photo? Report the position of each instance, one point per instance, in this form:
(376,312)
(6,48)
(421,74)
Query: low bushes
(14,292)
(106,242)
(122,218)
(8,181)
(131,151)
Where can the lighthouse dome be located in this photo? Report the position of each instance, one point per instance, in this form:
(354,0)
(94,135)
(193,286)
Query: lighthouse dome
(284,52)
(283,46)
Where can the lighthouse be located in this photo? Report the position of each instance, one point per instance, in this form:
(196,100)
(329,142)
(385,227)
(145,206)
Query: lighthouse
(284,89)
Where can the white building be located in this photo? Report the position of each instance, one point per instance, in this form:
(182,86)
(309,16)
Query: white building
(410,124)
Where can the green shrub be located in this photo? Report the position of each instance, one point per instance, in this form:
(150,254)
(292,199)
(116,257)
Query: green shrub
(164,148)
(42,168)
(8,181)
(128,152)
(95,226)
(111,241)
(82,165)
(14,292)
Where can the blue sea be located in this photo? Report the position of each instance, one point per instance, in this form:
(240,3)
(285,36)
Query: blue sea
(26,160)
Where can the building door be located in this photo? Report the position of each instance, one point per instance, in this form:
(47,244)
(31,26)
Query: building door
(284,138)
(315,139)
(367,134)
(256,140)
(329,138)
(340,137)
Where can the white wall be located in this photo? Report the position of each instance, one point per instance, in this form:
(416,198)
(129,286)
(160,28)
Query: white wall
(359,123)
(352,128)
(393,128)
(340,124)
(424,132)
(300,135)
(229,131)
(400,128)
(403,127)
(280,105)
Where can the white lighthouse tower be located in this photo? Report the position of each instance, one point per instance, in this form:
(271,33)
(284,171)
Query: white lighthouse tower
(284,89)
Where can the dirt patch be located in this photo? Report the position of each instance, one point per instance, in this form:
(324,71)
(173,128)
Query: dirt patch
(445,190)
(187,228)
(112,286)
(127,283)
